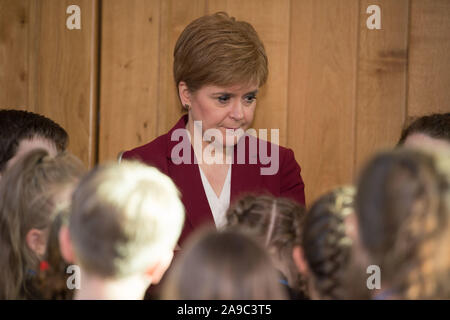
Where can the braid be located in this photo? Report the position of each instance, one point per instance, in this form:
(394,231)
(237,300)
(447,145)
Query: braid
(325,242)
(277,222)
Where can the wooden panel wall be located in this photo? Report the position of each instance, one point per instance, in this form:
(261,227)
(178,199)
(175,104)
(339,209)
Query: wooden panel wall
(429,57)
(337,91)
(322,91)
(382,79)
(48,69)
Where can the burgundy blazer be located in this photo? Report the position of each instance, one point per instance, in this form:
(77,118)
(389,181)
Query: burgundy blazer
(245,178)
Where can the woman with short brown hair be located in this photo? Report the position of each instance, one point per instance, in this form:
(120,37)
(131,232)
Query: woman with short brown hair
(219,65)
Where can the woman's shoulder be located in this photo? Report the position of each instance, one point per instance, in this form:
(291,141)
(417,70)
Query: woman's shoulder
(152,153)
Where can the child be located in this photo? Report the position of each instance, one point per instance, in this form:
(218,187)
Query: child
(31,193)
(125,222)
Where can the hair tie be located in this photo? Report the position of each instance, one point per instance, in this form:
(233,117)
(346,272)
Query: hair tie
(272,222)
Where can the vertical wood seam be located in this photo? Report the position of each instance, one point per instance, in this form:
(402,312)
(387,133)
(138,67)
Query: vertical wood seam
(406,75)
(288,102)
(158,85)
(355,88)
(97,121)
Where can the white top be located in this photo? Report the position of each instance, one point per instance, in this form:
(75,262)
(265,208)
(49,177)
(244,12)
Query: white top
(220,205)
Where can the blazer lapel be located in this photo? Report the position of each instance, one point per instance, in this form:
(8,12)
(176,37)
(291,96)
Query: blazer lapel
(187,177)
(245,177)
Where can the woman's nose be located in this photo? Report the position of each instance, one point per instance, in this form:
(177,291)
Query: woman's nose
(237,111)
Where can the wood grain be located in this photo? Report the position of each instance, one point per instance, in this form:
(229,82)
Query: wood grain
(429,58)
(63,77)
(14,20)
(382,79)
(322,88)
(129,75)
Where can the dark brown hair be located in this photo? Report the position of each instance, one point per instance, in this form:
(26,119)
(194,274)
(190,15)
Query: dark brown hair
(218,49)
(435,125)
(17,125)
(226,265)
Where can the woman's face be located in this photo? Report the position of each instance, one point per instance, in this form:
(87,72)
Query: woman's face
(223,108)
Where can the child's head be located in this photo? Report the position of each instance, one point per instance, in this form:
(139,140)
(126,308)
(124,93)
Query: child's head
(125,221)
(225,265)
(22,131)
(403,214)
(31,193)
(274,222)
(430,132)
(326,243)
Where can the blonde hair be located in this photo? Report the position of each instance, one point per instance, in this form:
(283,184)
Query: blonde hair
(123,217)
(217,49)
(29,194)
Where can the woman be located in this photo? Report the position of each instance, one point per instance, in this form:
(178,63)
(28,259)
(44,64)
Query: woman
(219,65)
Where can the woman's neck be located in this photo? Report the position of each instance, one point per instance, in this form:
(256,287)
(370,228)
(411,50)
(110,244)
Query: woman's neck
(209,152)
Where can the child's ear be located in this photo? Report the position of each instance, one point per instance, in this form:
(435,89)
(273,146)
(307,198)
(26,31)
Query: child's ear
(65,245)
(156,271)
(37,241)
(300,261)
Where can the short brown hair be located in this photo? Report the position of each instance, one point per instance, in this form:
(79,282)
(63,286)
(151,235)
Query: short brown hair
(435,125)
(217,49)
(18,125)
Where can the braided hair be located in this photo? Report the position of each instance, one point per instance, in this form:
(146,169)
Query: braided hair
(277,224)
(326,244)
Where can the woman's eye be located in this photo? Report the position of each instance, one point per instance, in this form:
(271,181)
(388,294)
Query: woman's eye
(223,99)
(249,99)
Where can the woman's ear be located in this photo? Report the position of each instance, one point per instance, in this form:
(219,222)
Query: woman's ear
(300,261)
(37,241)
(65,245)
(184,93)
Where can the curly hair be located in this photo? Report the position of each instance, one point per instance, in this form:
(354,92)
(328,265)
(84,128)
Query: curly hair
(276,223)
(403,213)
(326,243)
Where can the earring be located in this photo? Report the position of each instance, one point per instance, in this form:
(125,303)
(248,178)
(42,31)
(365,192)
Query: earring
(186,106)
